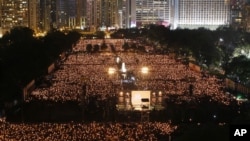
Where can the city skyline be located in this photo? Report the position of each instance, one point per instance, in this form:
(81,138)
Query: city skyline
(91,15)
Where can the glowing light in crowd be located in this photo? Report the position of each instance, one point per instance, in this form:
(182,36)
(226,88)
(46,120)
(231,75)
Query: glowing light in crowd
(111,70)
(144,70)
(123,69)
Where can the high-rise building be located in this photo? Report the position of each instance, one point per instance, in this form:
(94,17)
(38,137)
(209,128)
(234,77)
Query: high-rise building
(80,14)
(47,15)
(61,14)
(109,13)
(151,12)
(237,9)
(67,14)
(180,13)
(14,13)
(246,18)
(64,14)
(202,13)
(102,13)
(92,14)
(19,13)
(137,13)
(126,13)
(43,15)
(33,13)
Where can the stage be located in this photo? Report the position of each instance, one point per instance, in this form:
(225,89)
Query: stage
(136,100)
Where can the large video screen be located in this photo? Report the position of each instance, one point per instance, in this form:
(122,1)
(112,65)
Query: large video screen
(137,96)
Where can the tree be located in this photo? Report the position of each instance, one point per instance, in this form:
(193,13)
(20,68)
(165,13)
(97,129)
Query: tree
(239,67)
(242,50)
(55,43)
(96,48)
(112,48)
(23,57)
(158,33)
(125,46)
(19,61)
(19,34)
(89,48)
(100,34)
(134,46)
(104,46)
(73,37)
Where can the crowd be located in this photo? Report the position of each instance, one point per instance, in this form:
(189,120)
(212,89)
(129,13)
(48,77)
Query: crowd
(165,73)
(174,78)
(67,82)
(83,74)
(94,131)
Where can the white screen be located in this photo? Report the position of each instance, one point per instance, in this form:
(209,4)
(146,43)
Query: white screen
(136,97)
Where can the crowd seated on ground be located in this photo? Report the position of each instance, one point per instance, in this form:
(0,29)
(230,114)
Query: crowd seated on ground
(82,69)
(165,74)
(150,131)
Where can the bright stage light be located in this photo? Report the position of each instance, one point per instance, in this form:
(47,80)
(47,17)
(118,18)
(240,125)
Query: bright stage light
(111,70)
(144,70)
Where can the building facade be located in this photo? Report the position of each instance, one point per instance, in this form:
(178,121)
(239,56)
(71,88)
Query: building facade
(181,13)
(14,13)
(80,14)
(102,13)
(91,15)
(202,13)
(151,12)
(33,13)
(237,11)
(46,15)
(246,18)
(65,14)
(127,12)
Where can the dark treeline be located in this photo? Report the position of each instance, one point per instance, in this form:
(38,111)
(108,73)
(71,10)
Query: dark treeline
(213,50)
(24,57)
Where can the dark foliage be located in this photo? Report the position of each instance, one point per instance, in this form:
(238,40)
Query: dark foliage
(24,57)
